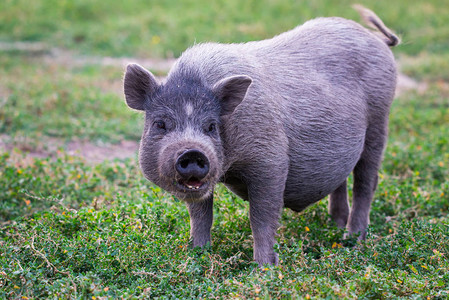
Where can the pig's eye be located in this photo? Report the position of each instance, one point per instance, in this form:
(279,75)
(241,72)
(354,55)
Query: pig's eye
(212,128)
(159,125)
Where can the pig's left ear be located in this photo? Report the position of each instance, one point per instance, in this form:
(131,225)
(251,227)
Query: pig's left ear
(231,91)
(139,84)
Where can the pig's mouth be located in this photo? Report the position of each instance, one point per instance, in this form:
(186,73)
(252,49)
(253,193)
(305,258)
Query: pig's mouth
(192,185)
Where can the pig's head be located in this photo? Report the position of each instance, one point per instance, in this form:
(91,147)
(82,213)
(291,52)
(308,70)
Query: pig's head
(181,148)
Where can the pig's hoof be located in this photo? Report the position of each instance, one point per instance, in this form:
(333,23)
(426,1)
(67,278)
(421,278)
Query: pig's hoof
(340,221)
(359,236)
(271,259)
(204,243)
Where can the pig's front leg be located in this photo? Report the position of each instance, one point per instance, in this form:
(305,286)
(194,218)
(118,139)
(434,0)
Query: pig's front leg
(201,216)
(266,202)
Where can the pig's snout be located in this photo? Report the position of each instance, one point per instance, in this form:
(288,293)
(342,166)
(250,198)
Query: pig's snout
(192,166)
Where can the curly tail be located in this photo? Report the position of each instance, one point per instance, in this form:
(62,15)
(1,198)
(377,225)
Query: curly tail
(373,21)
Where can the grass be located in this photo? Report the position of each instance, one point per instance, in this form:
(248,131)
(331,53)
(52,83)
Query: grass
(64,102)
(166,28)
(71,229)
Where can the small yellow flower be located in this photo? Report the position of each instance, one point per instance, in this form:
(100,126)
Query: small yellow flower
(155,39)
(307,229)
(16,287)
(19,171)
(307,296)
(336,245)
(400,281)
(441,164)
(78,176)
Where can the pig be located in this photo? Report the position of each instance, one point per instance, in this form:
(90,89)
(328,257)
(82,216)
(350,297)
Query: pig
(280,122)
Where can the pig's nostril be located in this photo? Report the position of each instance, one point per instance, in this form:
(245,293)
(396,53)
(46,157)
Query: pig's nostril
(192,163)
(184,163)
(200,163)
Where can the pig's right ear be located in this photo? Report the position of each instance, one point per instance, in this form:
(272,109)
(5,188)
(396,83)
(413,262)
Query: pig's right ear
(139,84)
(231,91)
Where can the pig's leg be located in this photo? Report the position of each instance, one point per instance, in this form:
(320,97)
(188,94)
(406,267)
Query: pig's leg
(266,202)
(201,216)
(365,180)
(339,206)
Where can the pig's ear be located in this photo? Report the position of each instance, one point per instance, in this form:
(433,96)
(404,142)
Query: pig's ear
(139,84)
(231,91)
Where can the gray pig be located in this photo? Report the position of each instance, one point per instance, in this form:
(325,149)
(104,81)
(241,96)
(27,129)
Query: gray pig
(281,122)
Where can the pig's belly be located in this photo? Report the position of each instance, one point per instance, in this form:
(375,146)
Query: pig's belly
(316,171)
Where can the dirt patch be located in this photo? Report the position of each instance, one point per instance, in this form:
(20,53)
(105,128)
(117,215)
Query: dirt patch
(68,58)
(96,154)
(51,55)
(50,147)
(406,84)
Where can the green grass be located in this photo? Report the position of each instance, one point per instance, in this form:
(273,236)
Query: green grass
(71,229)
(64,102)
(166,28)
(105,232)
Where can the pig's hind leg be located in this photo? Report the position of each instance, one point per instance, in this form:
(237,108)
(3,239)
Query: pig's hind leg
(365,178)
